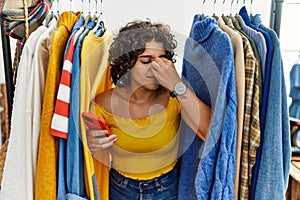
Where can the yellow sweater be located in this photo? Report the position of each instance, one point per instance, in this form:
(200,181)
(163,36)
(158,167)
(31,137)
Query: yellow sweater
(94,79)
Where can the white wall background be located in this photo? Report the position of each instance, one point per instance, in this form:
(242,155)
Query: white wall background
(290,38)
(178,14)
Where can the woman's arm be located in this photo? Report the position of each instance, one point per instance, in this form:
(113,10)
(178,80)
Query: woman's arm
(194,111)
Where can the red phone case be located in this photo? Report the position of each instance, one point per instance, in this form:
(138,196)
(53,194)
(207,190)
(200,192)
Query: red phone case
(95,122)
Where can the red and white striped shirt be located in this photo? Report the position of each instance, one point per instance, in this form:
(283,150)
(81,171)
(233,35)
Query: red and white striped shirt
(60,119)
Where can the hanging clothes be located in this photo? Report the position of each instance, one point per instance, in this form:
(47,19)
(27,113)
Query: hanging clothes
(74,153)
(244,14)
(294,108)
(274,162)
(14,22)
(258,46)
(216,169)
(20,157)
(94,79)
(60,122)
(251,129)
(239,66)
(74,123)
(230,83)
(41,59)
(259,43)
(46,185)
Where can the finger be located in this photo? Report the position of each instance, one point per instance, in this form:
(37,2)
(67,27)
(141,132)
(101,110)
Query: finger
(96,133)
(108,144)
(97,144)
(94,142)
(95,148)
(156,69)
(164,62)
(161,63)
(155,65)
(102,140)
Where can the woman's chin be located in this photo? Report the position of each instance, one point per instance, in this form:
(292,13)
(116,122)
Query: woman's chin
(151,86)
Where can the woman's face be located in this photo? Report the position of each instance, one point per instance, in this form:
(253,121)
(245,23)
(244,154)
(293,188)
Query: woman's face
(141,73)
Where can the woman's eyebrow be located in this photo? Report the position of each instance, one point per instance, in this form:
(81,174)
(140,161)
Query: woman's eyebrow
(149,56)
(163,56)
(145,56)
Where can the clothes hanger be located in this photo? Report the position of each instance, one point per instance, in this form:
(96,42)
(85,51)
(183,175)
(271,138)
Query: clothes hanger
(88,17)
(50,16)
(237,17)
(251,15)
(57,11)
(202,15)
(95,16)
(82,10)
(223,10)
(99,27)
(230,16)
(70,6)
(224,17)
(234,18)
(231,7)
(237,5)
(214,14)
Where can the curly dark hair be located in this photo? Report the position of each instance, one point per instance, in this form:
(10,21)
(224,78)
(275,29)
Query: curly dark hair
(131,42)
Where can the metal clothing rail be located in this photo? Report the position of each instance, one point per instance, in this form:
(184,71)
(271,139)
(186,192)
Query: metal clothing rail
(274,24)
(8,70)
(275,21)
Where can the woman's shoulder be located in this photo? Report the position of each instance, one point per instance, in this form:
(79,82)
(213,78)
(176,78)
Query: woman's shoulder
(104,99)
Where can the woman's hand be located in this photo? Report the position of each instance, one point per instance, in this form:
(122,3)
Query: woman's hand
(165,73)
(97,140)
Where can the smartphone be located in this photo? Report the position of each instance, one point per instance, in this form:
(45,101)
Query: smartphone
(95,122)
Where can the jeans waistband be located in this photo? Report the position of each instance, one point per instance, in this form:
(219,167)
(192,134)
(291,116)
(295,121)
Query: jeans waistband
(143,184)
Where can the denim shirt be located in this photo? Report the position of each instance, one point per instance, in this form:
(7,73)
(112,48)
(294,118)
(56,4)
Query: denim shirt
(273,172)
(75,157)
(62,182)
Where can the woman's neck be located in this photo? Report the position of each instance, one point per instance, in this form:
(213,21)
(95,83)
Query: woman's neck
(140,95)
(138,103)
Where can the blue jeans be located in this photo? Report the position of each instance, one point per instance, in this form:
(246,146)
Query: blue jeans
(164,187)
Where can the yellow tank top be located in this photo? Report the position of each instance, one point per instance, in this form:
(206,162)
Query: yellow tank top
(146,147)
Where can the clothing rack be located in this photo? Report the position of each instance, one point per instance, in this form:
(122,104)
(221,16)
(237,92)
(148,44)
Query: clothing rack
(275,21)
(274,24)
(8,70)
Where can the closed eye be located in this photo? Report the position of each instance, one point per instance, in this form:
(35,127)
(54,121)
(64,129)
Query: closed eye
(165,56)
(146,62)
(145,59)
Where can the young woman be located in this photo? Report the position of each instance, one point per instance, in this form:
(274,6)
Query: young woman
(144,111)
